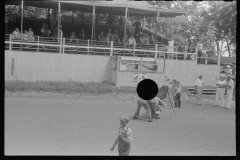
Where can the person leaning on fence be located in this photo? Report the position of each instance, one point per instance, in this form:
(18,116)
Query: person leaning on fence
(73,37)
(131,41)
(229,86)
(146,105)
(177,94)
(220,91)
(198,89)
(16,35)
(31,35)
(124,138)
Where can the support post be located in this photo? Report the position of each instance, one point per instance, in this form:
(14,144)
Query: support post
(156,49)
(63,45)
(72,21)
(88,48)
(10,42)
(38,44)
(93,21)
(151,23)
(111,50)
(60,42)
(134,45)
(172,27)
(196,54)
(219,58)
(125,27)
(21,23)
(58,20)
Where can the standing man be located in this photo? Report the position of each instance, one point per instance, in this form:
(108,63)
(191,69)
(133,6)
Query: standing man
(220,91)
(198,89)
(137,26)
(229,70)
(229,87)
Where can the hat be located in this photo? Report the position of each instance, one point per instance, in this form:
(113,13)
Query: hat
(228,66)
(124,118)
(200,74)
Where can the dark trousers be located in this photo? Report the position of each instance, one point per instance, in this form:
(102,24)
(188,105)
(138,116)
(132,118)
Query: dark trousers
(137,32)
(177,100)
(6,28)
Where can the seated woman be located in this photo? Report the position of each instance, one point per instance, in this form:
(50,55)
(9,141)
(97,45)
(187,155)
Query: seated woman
(16,35)
(115,37)
(131,41)
(25,36)
(31,35)
(82,33)
(73,37)
(109,36)
(152,39)
(101,36)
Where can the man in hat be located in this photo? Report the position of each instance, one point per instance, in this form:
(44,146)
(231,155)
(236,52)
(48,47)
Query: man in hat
(137,26)
(229,70)
(124,138)
(220,91)
(229,86)
(198,89)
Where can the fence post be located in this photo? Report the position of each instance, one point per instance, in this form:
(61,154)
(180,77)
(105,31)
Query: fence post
(38,45)
(141,65)
(219,58)
(60,42)
(88,47)
(196,51)
(156,48)
(63,45)
(134,49)
(111,51)
(10,42)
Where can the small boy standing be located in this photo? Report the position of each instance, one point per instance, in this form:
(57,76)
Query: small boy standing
(124,138)
(177,94)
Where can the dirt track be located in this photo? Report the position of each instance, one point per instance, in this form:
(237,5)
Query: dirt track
(45,123)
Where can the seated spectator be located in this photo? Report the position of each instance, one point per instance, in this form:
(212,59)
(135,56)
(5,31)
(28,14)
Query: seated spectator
(82,34)
(55,32)
(73,37)
(48,32)
(16,34)
(146,39)
(25,36)
(141,39)
(101,36)
(152,39)
(31,35)
(44,29)
(115,37)
(126,40)
(131,41)
(109,36)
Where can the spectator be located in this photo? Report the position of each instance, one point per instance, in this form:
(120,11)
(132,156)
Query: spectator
(73,37)
(132,41)
(48,32)
(142,39)
(126,39)
(101,36)
(82,33)
(229,87)
(152,39)
(108,36)
(55,32)
(44,29)
(25,36)
(198,89)
(31,35)
(11,18)
(137,26)
(16,34)
(229,70)
(177,94)
(6,22)
(115,37)
(220,91)
(146,39)
(171,44)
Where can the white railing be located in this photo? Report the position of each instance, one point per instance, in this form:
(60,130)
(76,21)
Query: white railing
(65,45)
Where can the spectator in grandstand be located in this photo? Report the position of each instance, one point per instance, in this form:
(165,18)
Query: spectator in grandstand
(137,26)
(101,36)
(25,36)
(131,41)
(82,33)
(16,35)
(109,36)
(31,35)
(6,22)
(115,37)
(152,39)
(142,39)
(73,37)
(126,40)
(147,39)
(48,32)
(55,32)
(44,29)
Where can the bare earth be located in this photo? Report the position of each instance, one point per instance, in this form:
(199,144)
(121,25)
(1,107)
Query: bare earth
(48,123)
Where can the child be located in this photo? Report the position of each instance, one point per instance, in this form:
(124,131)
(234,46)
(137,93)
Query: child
(124,138)
(177,94)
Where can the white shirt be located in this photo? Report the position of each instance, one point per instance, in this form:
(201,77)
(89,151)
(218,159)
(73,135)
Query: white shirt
(171,43)
(229,71)
(230,83)
(221,82)
(199,82)
(131,41)
(126,132)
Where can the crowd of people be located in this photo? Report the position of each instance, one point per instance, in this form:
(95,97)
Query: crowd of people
(26,36)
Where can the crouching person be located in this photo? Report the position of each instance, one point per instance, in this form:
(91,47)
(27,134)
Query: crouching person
(145,104)
(156,104)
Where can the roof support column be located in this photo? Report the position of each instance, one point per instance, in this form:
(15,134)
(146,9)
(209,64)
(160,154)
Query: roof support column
(172,26)
(21,22)
(125,26)
(93,23)
(59,12)
(156,26)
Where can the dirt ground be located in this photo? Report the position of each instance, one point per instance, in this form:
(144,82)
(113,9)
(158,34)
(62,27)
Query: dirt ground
(43,122)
